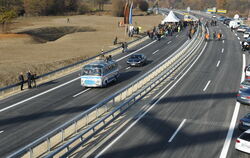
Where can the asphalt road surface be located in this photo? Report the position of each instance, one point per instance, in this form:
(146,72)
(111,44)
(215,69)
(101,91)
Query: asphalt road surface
(27,116)
(192,120)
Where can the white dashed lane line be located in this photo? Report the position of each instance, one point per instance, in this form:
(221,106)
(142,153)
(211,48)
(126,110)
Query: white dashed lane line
(81,92)
(177,35)
(1,132)
(218,64)
(178,129)
(223,41)
(128,68)
(155,52)
(169,42)
(222,50)
(207,85)
(238,38)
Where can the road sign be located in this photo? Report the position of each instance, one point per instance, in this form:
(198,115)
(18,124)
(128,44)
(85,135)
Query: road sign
(222,11)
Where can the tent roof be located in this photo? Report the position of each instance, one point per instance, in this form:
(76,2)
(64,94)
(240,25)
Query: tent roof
(171,18)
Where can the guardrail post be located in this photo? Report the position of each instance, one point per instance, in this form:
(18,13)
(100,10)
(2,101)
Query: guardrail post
(62,131)
(31,152)
(48,144)
(75,126)
(97,113)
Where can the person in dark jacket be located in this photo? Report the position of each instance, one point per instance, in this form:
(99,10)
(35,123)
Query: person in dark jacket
(33,79)
(29,77)
(21,79)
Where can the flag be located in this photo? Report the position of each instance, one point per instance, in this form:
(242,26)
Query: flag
(131,14)
(126,13)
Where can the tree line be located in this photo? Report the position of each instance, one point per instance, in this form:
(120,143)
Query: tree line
(240,6)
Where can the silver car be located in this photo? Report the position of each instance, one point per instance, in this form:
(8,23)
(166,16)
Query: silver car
(244,96)
(245,84)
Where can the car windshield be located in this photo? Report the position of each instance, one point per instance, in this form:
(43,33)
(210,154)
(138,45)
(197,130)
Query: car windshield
(92,70)
(245,136)
(135,57)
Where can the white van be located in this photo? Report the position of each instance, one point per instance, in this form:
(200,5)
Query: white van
(234,24)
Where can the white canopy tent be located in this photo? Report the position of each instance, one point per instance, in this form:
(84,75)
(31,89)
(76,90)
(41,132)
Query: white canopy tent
(170,18)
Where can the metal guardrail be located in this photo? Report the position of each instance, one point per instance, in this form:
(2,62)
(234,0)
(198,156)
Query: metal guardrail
(121,98)
(2,90)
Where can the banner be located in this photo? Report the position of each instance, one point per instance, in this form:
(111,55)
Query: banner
(126,13)
(131,14)
(221,11)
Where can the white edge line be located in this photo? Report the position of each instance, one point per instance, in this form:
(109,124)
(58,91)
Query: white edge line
(81,92)
(155,51)
(218,64)
(35,96)
(139,118)
(228,139)
(177,130)
(207,85)
(52,89)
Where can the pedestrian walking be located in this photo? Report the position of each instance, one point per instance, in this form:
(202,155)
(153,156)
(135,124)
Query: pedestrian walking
(21,79)
(29,79)
(33,79)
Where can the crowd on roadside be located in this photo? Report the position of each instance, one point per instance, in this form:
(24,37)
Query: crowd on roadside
(31,79)
(167,29)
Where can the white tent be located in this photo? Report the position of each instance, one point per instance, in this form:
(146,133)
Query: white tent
(171,18)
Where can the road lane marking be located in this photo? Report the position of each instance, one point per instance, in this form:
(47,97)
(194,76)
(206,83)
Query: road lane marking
(1,132)
(178,129)
(236,34)
(38,95)
(81,92)
(128,68)
(155,51)
(231,128)
(238,38)
(177,35)
(64,84)
(143,114)
(222,50)
(207,85)
(218,64)
(169,42)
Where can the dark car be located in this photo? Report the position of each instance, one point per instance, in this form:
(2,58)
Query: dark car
(244,123)
(222,18)
(227,21)
(244,96)
(137,60)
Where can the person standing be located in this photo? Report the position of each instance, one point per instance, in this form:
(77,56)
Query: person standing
(21,79)
(29,79)
(33,79)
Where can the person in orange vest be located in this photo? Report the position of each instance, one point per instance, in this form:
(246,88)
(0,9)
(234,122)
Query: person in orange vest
(219,36)
(207,36)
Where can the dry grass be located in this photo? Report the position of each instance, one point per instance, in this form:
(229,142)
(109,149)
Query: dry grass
(20,53)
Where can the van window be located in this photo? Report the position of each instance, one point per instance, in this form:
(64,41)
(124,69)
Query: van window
(245,136)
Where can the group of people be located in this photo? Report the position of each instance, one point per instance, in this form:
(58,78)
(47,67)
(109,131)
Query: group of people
(31,79)
(216,36)
(212,23)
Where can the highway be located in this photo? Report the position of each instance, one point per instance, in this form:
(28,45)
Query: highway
(190,118)
(193,119)
(31,114)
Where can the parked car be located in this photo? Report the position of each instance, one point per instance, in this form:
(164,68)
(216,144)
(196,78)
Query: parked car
(242,28)
(222,18)
(245,84)
(247,72)
(234,24)
(243,96)
(243,142)
(137,60)
(247,33)
(244,123)
(227,20)
(245,45)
